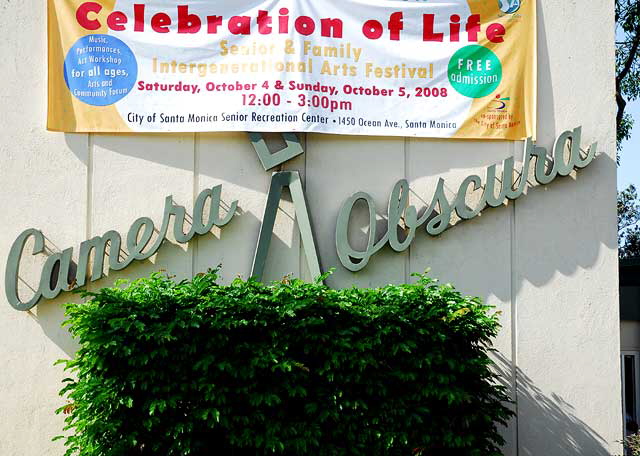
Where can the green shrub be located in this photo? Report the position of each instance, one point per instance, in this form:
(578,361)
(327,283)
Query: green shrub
(632,445)
(197,368)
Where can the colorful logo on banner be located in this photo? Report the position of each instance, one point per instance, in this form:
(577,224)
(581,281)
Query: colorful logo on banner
(96,77)
(509,6)
(287,66)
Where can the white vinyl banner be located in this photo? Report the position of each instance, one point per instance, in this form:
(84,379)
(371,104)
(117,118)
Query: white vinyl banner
(376,67)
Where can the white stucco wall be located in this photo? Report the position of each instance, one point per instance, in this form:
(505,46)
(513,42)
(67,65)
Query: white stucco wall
(548,261)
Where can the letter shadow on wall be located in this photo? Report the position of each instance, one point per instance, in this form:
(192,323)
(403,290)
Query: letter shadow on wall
(563,227)
(561,432)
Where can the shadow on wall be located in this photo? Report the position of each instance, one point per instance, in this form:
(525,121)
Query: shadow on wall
(568,241)
(587,245)
(550,417)
(546,123)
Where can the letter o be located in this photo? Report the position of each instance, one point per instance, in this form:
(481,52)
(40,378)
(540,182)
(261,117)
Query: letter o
(372,29)
(305,25)
(346,253)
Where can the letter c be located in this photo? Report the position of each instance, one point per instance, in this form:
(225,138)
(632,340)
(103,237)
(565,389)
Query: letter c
(82,15)
(13,269)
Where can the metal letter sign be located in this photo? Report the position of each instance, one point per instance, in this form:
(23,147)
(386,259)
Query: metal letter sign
(271,160)
(60,274)
(138,244)
(280,180)
(436,222)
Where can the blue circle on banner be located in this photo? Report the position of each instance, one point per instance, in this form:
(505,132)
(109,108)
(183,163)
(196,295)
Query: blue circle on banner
(100,70)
